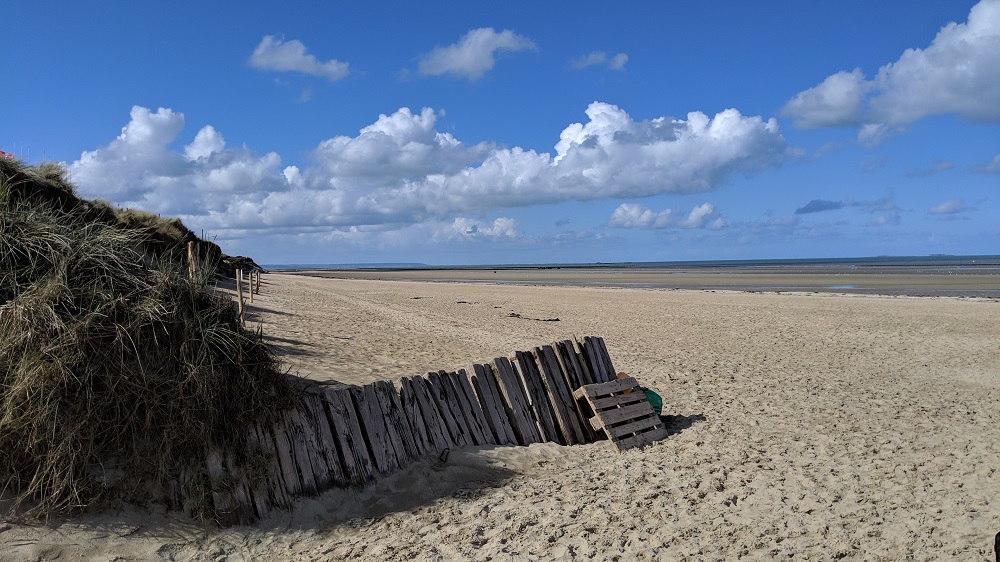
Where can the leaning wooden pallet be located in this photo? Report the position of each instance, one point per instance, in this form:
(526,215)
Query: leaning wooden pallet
(620,410)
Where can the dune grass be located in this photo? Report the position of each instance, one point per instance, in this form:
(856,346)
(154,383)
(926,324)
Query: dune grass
(116,368)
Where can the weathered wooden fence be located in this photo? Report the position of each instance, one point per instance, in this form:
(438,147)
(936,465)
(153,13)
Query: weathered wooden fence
(342,436)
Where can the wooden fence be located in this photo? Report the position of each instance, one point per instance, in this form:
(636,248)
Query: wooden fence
(343,436)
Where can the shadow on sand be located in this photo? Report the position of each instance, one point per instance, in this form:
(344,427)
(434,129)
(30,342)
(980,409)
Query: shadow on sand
(677,424)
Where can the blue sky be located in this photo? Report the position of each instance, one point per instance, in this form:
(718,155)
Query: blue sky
(523,132)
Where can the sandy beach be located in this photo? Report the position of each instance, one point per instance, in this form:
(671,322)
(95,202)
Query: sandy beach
(808,426)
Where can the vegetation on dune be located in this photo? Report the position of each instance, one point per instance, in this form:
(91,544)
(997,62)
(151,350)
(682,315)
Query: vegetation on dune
(116,368)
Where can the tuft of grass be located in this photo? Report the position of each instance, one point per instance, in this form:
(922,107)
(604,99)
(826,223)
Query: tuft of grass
(116,368)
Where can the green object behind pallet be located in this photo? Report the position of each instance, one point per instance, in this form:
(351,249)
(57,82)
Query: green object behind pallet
(654,400)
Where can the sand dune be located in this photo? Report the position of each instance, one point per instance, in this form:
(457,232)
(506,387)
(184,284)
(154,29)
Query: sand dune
(805,426)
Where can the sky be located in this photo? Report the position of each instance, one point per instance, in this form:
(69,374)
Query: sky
(454,133)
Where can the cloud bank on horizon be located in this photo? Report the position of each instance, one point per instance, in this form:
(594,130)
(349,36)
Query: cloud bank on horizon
(404,176)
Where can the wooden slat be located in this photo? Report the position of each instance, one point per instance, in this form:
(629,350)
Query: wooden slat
(308,446)
(399,429)
(569,365)
(473,412)
(638,426)
(301,452)
(590,355)
(612,387)
(347,433)
(246,511)
(450,412)
(640,439)
(602,349)
(261,483)
(581,358)
(415,417)
(617,400)
(559,395)
(613,416)
(497,413)
(324,439)
(573,374)
(539,400)
(286,458)
(277,493)
(438,434)
(518,406)
(370,414)
(226,506)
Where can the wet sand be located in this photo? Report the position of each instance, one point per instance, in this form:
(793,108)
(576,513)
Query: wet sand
(911,281)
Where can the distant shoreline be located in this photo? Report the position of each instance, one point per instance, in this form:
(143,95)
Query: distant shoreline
(935,276)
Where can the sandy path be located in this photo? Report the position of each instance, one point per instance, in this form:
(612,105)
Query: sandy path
(807,426)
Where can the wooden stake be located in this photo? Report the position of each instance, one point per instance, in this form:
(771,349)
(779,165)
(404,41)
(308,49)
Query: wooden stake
(239,291)
(193,260)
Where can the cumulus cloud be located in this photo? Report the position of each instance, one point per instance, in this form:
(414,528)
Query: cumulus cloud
(401,170)
(834,102)
(632,215)
(474,54)
(139,169)
(600,58)
(462,228)
(274,53)
(950,207)
(956,74)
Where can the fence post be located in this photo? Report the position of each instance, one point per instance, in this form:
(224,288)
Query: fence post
(239,291)
(192,260)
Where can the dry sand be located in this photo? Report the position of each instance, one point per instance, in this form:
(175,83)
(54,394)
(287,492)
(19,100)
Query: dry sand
(805,426)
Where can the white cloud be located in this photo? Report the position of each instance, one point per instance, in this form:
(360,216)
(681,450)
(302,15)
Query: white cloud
(956,73)
(632,215)
(274,53)
(836,101)
(462,228)
(991,167)
(949,207)
(207,142)
(474,54)
(600,58)
(139,169)
(401,171)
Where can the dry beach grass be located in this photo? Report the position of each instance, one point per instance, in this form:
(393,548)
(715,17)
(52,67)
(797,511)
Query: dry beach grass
(805,426)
